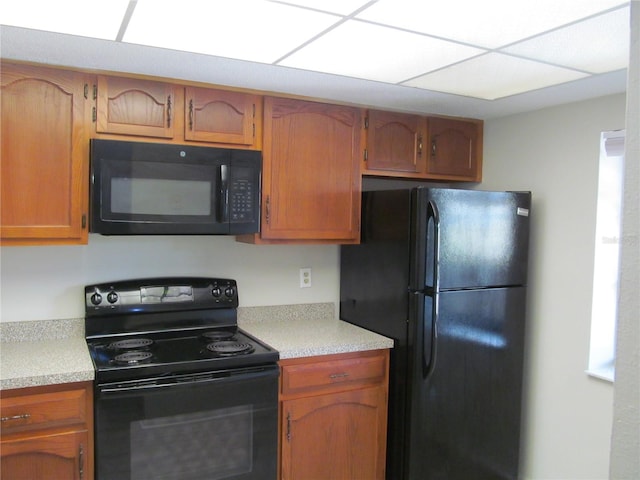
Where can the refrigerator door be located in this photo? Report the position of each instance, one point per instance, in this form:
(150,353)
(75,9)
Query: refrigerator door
(469,238)
(464,400)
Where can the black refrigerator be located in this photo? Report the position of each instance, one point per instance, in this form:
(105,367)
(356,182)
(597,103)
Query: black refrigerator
(443,272)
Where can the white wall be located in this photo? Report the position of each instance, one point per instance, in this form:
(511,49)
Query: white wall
(47,282)
(554,153)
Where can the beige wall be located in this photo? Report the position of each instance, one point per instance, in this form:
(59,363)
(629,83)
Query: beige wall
(554,153)
(625,450)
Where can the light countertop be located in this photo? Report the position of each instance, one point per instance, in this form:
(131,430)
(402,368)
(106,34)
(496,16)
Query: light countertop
(54,351)
(312,337)
(44,362)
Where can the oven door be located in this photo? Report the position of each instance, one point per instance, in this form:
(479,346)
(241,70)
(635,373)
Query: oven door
(220,425)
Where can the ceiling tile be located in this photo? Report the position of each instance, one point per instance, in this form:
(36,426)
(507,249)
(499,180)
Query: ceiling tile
(252,30)
(494,76)
(363,50)
(598,45)
(75,17)
(476,22)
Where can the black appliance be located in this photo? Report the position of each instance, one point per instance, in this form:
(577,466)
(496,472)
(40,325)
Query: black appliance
(443,272)
(165,189)
(181,393)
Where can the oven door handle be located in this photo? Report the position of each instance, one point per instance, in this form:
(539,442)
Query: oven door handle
(176,381)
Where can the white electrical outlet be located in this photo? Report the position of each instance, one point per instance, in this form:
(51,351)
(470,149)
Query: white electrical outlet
(305,277)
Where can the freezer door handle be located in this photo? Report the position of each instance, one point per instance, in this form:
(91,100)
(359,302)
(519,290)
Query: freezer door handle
(432,247)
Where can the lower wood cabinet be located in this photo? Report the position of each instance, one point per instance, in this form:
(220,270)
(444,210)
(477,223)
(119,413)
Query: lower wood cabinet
(334,416)
(47,433)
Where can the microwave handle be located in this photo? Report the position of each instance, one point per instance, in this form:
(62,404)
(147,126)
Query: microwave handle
(223,194)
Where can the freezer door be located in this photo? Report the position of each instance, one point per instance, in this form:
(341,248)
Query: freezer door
(466,371)
(469,238)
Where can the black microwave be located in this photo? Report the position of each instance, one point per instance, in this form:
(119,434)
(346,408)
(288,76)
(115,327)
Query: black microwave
(164,189)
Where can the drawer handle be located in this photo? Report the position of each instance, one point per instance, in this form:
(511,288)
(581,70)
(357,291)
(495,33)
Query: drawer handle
(23,416)
(338,375)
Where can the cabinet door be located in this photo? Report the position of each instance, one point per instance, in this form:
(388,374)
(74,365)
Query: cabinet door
(336,436)
(131,106)
(45,155)
(394,142)
(455,149)
(60,456)
(219,116)
(311,174)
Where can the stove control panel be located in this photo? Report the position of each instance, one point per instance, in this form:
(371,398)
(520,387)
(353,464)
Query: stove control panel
(160,294)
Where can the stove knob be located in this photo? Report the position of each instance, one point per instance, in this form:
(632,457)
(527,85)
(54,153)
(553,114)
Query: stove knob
(216,292)
(112,297)
(229,292)
(96,298)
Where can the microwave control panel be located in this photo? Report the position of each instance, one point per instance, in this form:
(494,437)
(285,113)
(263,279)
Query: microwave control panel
(242,198)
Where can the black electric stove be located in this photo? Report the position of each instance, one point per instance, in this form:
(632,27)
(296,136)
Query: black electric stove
(158,327)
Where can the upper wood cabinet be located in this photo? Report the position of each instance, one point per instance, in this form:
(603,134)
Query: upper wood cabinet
(311,175)
(455,149)
(220,116)
(177,113)
(423,148)
(133,106)
(395,142)
(45,154)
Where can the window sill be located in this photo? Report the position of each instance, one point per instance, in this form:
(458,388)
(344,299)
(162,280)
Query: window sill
(606,373)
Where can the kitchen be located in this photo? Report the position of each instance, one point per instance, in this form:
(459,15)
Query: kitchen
(564,405)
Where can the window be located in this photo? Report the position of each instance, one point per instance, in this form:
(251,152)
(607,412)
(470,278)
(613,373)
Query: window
(607,249)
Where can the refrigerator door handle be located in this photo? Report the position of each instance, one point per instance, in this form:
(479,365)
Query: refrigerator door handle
(429,313)
(432,249)
(429,336)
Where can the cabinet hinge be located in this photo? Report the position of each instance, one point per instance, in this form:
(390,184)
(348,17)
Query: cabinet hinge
(288,426)
(366,122)
(81,462)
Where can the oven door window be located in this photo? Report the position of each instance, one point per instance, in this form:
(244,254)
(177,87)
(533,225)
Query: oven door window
(223,427)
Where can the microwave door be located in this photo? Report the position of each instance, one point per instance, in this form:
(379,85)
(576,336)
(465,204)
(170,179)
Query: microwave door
(165,194)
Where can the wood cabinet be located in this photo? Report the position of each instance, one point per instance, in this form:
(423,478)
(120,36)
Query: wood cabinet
(45,155)
(423,148)
(47,432)
(395,143)
(334,416)
(220,116)
(311,172)
(455,149)
(132,106)
(177,113)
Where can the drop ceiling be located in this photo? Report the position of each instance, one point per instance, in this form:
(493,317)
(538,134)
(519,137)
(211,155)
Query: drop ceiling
(461,57)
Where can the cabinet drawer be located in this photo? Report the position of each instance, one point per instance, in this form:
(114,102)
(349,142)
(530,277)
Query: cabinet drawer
(347,372)
(43,410)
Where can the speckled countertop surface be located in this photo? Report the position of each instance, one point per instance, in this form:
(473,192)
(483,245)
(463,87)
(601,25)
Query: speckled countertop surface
(43,353)
(308,330)
(54,351)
